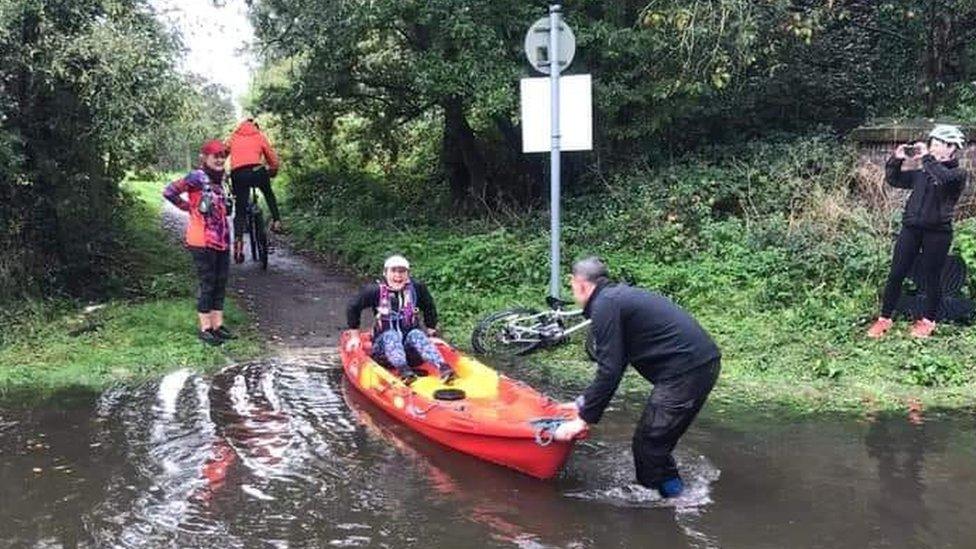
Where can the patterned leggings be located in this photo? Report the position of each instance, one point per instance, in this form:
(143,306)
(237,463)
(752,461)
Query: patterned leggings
(390,348)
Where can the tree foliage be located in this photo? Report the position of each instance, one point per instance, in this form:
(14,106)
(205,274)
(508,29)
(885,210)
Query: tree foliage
(668,75)
(82,86)
(205,111)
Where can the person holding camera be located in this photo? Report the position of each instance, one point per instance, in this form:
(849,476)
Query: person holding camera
(926,232)
(207,235)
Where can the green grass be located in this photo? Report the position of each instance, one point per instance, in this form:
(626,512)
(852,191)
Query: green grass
(789,314)
(148,330)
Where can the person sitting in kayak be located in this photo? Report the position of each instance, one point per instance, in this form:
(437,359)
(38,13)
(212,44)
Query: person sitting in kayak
(396,301)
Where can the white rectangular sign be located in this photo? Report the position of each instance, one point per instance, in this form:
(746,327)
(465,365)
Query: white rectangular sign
(575,114)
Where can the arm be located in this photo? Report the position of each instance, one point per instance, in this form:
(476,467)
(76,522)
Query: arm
(952,178)
(894,176)
(425,302)
(174,191)
(367,297)
(608,338)
(269,154)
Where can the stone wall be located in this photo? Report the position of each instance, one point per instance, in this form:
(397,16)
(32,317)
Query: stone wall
(876,143)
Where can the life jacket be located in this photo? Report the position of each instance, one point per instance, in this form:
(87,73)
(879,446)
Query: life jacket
(404,318)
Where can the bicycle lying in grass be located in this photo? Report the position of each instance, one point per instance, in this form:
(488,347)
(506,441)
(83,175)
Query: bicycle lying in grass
(522,330)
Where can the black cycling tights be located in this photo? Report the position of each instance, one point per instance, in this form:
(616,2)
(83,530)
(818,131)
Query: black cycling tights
(243,179)
(934,247)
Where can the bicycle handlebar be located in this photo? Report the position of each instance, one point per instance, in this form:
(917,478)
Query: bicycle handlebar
(556,303)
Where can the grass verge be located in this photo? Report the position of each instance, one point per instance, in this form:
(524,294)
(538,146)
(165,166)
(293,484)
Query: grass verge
(55,348)
(791,340)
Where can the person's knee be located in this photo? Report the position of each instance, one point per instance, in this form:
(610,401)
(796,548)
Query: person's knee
(416,335)
(208,282)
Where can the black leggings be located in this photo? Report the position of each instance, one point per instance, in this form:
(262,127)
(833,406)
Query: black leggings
(673,405)
(212,268)
(934,247)
(243,179)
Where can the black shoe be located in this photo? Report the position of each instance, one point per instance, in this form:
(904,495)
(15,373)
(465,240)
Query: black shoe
(210,338)
(409,378)
(223,333)
(448,377)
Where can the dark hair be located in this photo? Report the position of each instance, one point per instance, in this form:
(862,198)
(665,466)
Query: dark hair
(592,269)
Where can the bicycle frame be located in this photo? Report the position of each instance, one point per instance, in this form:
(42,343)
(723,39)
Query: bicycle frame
(550,326)
(252,205)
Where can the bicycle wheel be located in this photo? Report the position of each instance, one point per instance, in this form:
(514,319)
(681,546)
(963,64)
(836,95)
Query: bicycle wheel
(262,239)
(507,332)
(252,235)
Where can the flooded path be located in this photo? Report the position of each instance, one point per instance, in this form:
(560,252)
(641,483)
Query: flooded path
(284,453)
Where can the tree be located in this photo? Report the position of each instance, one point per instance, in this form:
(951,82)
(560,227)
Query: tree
(394,62)
(81,85)
(205,111)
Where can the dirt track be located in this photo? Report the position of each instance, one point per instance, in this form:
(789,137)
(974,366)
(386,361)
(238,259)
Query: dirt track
(298,303)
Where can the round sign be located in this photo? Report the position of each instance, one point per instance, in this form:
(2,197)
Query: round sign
(537,45)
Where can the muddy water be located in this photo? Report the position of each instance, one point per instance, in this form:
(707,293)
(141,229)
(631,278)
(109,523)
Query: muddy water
(284,454)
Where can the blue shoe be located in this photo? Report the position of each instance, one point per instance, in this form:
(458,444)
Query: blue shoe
(671,488)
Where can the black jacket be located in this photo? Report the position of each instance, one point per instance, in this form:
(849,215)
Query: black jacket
(935,190)
(645,329)
(369,298)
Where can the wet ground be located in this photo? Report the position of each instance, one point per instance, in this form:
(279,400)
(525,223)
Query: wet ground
(283,453)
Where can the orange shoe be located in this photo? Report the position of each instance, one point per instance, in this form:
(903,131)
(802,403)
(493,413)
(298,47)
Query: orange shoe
(923,328)
(880,327)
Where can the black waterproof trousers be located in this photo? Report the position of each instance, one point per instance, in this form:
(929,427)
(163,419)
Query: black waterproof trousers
(673,405)
(213,267)
(934,246)
(243,179)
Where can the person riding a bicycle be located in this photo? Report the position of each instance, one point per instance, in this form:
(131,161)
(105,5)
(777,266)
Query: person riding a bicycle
(250,150)
(396,301)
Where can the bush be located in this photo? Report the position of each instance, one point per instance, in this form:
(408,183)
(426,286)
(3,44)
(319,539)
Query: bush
(964,243)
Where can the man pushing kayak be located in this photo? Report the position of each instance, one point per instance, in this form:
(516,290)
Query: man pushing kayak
(666,346)
(396,301)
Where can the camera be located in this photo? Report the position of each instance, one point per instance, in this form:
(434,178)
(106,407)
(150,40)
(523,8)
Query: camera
(910,151)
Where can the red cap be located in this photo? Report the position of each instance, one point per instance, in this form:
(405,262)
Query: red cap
(214,146)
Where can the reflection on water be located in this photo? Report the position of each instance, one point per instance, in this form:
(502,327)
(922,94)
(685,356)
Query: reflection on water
(285,454)
(899,450)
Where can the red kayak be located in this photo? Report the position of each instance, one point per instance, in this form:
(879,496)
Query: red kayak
(482,413)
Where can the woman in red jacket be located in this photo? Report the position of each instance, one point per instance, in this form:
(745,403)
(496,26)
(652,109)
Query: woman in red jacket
(249,152)
(207,236)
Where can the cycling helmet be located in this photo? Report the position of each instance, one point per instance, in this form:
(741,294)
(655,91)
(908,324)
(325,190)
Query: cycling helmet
(948,133)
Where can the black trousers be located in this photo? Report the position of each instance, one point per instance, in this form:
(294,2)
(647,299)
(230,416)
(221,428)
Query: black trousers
(673,405)
(212,269)
(244,178)
(934,246)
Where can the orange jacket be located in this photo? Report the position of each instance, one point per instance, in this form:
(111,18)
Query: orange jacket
(247,145)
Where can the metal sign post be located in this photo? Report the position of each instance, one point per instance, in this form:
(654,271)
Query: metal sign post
(554,61)
(550,47)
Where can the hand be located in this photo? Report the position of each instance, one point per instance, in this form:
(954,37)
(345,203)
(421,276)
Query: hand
(431,332)
(353,343)
(922,148)
(900,151)
(568,407)
(568,430)
(272,172)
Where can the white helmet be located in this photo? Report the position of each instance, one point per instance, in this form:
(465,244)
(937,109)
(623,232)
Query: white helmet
(396,261)
(949,134)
